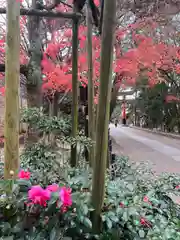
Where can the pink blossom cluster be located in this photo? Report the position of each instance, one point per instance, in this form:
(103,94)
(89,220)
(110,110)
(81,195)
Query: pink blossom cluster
(39,195)
(24,175)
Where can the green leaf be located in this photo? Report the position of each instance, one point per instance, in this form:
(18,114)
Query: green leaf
(132,211)
(125,216)
(109,223)
(87,222)
(53,234)
(5,228)
(7,238)
(114,219)
(75,196)
(84,209)
(15,189)
(24,185)
(103,217)
(54,198)
(141,233)
(17,228)
(130,187)
(91,209)
(136,199)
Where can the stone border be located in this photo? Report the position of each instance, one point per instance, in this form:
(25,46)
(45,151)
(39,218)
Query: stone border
(170,135)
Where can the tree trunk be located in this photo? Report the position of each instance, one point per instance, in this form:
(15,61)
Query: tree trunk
(56,105)
(99,172)
(75,89)
(34,81)
(91,130)
(54,113)
(114,93)
(12,85)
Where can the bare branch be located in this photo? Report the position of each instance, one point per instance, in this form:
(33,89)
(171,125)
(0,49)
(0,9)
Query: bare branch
(50,14)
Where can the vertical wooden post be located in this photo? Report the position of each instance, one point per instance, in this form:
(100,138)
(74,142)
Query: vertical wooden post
(74,90)
(12,75)
(90,84)
(99,172)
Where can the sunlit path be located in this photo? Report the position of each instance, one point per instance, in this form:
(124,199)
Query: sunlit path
(161,151)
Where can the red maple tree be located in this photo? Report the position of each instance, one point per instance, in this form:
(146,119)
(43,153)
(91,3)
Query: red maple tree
(146,56)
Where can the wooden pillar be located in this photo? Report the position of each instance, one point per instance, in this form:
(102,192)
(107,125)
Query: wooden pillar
(75,90)
(12,85)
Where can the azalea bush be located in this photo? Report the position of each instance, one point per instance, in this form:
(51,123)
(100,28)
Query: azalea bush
(48,165)
(32,211)
(35,212)
(137,209)
(137,205)
(40,159)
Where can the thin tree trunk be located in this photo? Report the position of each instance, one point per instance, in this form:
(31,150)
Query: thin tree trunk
(91,130)
(135,109)
(20,106)
(114,94)
(54,114)
(12,85)
(34,81)
(99,172)
(74,90)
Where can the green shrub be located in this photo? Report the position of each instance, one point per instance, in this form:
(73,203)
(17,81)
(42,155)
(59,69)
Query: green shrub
(137,204)
(46,124)
(40,159)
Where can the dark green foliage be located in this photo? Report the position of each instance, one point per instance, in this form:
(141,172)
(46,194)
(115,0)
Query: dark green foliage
(155,110)
(40,159)
(151,102)
(45,124)
(123,208)
(133,196)
(20,221)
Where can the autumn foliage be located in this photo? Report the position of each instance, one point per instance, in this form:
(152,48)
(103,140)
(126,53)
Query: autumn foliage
(146,55)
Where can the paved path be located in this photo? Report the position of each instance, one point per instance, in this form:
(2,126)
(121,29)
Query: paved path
(162,152)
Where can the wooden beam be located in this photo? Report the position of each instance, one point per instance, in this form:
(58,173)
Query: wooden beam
(44,13)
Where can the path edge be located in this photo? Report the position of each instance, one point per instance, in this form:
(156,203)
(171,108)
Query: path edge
(169,135)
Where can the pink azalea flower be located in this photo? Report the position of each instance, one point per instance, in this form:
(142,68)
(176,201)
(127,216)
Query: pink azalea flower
(24,175)
(121,204)
(63,209)
(146,199)
(145,223)
(38,195)
(65,196)
(177,187)
(53,188)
